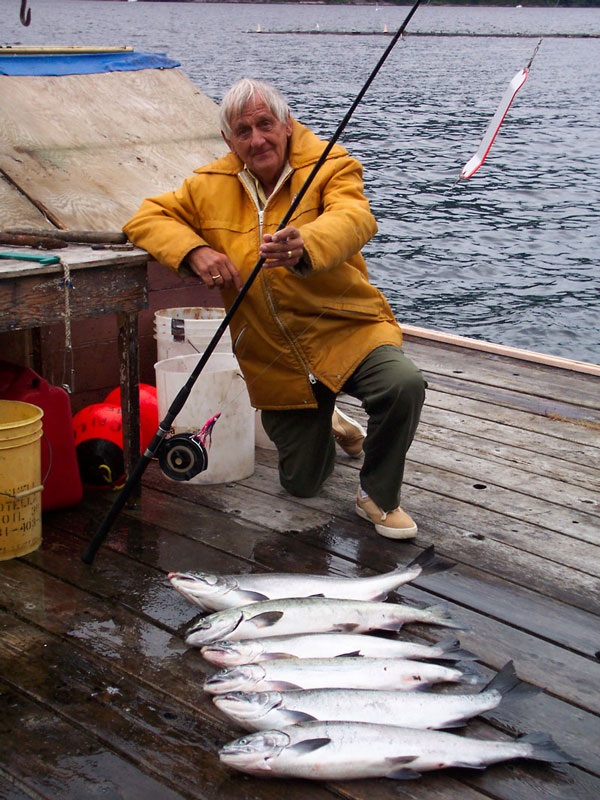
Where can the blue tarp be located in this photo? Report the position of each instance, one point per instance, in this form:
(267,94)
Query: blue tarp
(82,63)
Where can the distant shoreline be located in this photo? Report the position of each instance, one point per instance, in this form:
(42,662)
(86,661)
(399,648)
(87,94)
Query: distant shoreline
(435,33)
(564,4)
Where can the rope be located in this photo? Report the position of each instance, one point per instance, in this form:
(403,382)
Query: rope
(68,351)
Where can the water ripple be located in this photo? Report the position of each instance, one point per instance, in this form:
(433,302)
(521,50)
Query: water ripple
(510,255)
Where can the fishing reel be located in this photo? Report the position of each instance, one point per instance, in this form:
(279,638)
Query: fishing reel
(183,456)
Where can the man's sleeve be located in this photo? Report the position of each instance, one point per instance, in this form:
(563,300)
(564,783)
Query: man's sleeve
(166,226)
(345,224)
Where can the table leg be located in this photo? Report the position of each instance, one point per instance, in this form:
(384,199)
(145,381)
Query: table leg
(130,397)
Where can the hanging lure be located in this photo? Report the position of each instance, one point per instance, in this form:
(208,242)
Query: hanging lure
(185,455)
(477,160)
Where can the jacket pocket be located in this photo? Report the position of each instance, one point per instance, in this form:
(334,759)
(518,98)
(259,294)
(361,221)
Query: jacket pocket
(370,310)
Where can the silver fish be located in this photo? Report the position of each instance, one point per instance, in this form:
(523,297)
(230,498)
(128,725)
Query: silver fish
(217,592)
(309,615)
(328,645)
(348,750)
(338,673)
(257,711)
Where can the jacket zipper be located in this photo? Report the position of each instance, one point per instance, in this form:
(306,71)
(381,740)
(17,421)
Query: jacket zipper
(261,215)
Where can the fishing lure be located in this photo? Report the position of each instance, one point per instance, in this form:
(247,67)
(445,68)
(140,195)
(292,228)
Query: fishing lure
(477,160)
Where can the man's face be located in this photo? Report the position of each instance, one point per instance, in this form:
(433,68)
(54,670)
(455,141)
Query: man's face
(260,140)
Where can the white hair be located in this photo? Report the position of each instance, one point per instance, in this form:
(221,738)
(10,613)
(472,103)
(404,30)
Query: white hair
(238,95)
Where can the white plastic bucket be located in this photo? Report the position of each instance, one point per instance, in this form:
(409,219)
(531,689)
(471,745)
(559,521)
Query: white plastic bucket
(220,388)
(183,331)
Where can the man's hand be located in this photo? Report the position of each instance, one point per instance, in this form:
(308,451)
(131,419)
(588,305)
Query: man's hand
(214,269)
(283,248)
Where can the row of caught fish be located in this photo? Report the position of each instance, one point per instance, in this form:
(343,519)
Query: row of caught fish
(327,699)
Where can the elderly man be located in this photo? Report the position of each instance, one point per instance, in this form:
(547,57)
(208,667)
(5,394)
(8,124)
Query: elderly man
(311,325)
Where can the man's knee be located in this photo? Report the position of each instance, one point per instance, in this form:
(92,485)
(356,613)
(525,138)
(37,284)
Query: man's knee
(306,483)
(406,388)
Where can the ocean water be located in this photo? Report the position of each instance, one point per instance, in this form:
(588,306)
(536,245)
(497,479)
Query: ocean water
(510,255)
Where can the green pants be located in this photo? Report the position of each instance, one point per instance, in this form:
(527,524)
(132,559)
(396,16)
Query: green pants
(392,391)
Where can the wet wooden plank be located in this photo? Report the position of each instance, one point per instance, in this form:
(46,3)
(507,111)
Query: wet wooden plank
(482,490)
(163,738)
(509,449)
(536,474)
(11,788)
(577,444)
(56,760)
(551,408)
(568,432)
(520,377)
(561,497)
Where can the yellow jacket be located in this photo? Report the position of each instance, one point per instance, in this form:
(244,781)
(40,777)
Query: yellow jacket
(291,327)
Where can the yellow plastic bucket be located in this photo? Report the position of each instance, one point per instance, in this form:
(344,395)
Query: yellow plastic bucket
(20,478)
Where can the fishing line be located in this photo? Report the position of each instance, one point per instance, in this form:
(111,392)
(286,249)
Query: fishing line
(467,171)
(183,394)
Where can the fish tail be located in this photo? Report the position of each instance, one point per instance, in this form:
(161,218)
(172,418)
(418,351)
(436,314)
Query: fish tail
(544,748)
(469,674)
(507,681)
(428,563)
(441,616)
(452,651)
(504,681)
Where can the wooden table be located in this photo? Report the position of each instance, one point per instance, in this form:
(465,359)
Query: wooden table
(104,281)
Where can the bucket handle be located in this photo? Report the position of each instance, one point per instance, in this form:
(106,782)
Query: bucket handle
(26,493)
(34,489)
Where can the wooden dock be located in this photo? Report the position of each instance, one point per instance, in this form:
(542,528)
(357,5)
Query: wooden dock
(100,698)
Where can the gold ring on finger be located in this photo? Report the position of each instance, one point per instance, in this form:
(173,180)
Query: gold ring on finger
(289,253)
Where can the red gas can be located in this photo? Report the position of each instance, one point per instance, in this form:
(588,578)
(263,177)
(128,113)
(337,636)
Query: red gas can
(62,486)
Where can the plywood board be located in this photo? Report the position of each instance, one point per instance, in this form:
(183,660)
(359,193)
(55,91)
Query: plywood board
(15,206)
(89,148)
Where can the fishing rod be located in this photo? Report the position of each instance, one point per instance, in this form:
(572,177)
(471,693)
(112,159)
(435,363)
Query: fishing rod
(183,394)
